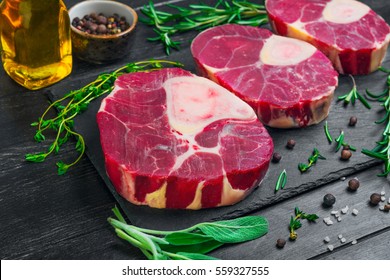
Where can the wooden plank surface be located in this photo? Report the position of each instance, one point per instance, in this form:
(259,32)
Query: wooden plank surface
(46,216)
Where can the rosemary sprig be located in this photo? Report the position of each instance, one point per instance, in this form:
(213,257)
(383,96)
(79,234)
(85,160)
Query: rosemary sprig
(353,95)
(75,103)
(327,133)
(312,160)
(295,222)
(199,17)
(282,180)
(190,243)
(341,143)
(382,151)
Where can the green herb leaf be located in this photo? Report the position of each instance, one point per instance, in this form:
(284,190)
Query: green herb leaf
(312,160)
(186,238)
(236,230)
(200,248)
(353,95)
(282,180)
(327,133)
(295,222)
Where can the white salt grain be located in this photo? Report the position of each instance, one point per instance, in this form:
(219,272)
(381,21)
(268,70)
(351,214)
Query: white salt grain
(339,219)
(343,178)
(354,242)
(327,239)
(330,247)
(334,212)
(340,236)
(355,212)
(328,221)
(383,193)
(383,198)
(382,207)
(337,215)
(343,240)
(345,210)
(389,200)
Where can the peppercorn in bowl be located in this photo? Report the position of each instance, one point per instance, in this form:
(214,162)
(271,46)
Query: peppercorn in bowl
(102,31)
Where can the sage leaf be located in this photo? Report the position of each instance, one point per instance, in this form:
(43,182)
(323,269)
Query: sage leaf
(236,230)
(200,248)
(186,238)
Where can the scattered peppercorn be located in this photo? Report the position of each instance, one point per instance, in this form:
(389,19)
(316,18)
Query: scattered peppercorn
(280,243)
(329,200)
(352,121)
(290,144)
(375,198)
(346,154)
(100,24)
(276,157)
(353,184)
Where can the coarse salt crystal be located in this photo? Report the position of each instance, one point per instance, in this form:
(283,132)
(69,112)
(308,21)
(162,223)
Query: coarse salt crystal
(327,239)
(383,193)
(354,242)
(340,236)
(337,215)
(355,212)
(343,178)
(328,221)
(383,198)
(345,210)
(339,219)
(343,240)
(334,212)
(389,200)
(382,207)
(330,247)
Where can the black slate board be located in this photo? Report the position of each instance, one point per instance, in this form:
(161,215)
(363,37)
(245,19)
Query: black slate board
(363,135)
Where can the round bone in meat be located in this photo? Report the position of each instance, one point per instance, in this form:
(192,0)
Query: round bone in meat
(175,140)
(352,35)
(288,82)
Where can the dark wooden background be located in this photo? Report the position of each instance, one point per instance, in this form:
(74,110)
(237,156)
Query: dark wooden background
(46,216)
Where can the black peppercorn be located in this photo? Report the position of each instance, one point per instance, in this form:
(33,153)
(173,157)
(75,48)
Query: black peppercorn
(280,243)
(352,121)
(329,200)
(346,154)
(375,198)
(290,144)
(276,157)
(353,184)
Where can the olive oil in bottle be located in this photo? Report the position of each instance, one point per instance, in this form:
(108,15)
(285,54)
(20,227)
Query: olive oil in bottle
(35,44)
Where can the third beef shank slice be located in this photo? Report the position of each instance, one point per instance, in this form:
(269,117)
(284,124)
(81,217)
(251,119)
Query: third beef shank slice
(175,140)
(288,82)
(352,35)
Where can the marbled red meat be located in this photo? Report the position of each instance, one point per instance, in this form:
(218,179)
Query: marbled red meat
(175,140)
(288,82)
(352,35)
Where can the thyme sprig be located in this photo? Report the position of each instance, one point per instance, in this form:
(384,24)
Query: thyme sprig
(382,151)
(282,180)
(295,222)
(199,17)
(190,243)
(353,95)
(312,160)
(75,103)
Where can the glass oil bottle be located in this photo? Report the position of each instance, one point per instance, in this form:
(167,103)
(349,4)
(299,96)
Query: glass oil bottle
(35,47)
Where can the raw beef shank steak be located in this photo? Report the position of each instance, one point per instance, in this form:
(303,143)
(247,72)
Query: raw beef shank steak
(352,35)
(288,82)
(175,140)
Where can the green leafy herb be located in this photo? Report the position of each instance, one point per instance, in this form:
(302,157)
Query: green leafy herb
(312,160)
(340,142)
(295,222)
(75,103)
(199,17)
(382,151)
(191,243)
(353,95)
(327,133)
(282,180)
